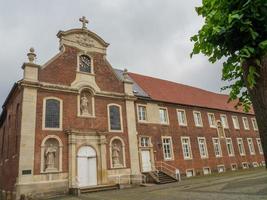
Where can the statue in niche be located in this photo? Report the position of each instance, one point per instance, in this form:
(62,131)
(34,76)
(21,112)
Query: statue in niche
(84,105)
(50,158)
(220,129)
(116,154)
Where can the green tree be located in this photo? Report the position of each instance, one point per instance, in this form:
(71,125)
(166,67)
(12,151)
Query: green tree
(236,31)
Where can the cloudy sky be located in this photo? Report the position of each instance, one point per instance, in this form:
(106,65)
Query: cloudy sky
(151,37)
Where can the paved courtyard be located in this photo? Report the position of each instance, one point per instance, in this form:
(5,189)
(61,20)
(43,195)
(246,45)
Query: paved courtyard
(247,184)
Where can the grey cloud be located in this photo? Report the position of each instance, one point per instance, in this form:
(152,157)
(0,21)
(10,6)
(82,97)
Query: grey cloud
(146,36)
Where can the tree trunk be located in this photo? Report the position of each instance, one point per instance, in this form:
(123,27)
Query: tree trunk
(258,96)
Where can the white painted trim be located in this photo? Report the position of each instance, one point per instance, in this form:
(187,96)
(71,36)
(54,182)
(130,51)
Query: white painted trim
(121,121)
(227,124)
(243,165)
(206,149)
(235,117)
(254,151)
(243,147)
(171,146)
(60,114)
(137,111)
(220,148)
(206,168)
(167,115)
(197,112)
(189,144)
(255,121)
(243,120)
(182,110)
(218,166)
(260,149)
(60,153)
(232,146)
(191,169)
(212,114)
(234,164)
(123,152)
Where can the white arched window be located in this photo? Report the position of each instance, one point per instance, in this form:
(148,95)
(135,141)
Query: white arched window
(51,154)
(115,118)
(52,113)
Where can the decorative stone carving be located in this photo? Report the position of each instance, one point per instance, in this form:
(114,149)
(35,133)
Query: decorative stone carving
(86,103)
(84,40)
(117,154)
(50,157)
(220,130)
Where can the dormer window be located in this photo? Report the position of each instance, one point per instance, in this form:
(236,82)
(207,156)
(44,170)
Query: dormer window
(85,64)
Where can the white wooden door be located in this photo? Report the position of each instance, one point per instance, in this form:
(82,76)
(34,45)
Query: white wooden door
(146,161)
(87,171)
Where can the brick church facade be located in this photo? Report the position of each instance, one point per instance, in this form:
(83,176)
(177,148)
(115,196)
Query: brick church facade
(77,122)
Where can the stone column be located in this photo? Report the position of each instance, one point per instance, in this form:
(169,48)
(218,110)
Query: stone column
(103,154)
(72,161)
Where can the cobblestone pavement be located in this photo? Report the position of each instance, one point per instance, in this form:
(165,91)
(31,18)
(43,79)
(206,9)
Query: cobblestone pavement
(247,185)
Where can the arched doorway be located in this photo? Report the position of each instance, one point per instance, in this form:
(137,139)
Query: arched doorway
(87,169)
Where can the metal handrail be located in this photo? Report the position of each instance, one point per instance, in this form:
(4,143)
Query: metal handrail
(168,169)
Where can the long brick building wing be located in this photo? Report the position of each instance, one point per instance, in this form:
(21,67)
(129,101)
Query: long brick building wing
(77,123)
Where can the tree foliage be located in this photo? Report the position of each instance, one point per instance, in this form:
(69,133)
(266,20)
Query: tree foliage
(235,30)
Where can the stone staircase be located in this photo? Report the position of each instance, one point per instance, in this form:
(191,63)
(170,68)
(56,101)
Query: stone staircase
(99,188)
(160,177)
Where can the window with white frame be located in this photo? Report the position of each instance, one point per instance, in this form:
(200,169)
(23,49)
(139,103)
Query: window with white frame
(234,167)
(85,64)
(235,122)
(115,119)
(229,146)
(197,118)
(144,141)
(206,170)
(224,121)
(254,124)
(212,121)
(245,165)
(240,145)
(163,115)
(142,114)
(255,164)
(221,168)
(52,113)
(202,147)
(186,146)
(167,148)
(251,146)
(259,145)
(189,173)
(245,123)
(217,147)
(181,115)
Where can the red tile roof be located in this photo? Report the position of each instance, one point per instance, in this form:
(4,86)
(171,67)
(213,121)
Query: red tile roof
(167,91)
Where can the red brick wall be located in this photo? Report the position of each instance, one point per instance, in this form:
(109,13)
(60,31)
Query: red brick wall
(155,131)
(9,157)
(63,71)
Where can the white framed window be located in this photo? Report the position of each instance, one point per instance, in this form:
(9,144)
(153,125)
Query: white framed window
(190,173)
(163,115)
(229,146)
(212,120)
(234,167)
(144,141)
(142,113)
(221,168)
(224,121)
(85,63)
(167,148)
(245,123)
(245,165)
(115,118)
(263,163)
(197,118)
(235,122)
(181,115)
(259,145)
(186,146)
(52,114)
(217,147)
(202,147)
(254,124)
(251,146)
(206,171)
(241,148)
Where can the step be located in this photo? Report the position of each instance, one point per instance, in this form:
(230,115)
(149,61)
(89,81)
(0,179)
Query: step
(98,188)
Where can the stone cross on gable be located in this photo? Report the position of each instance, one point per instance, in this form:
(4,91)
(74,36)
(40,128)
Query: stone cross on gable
(84,21)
